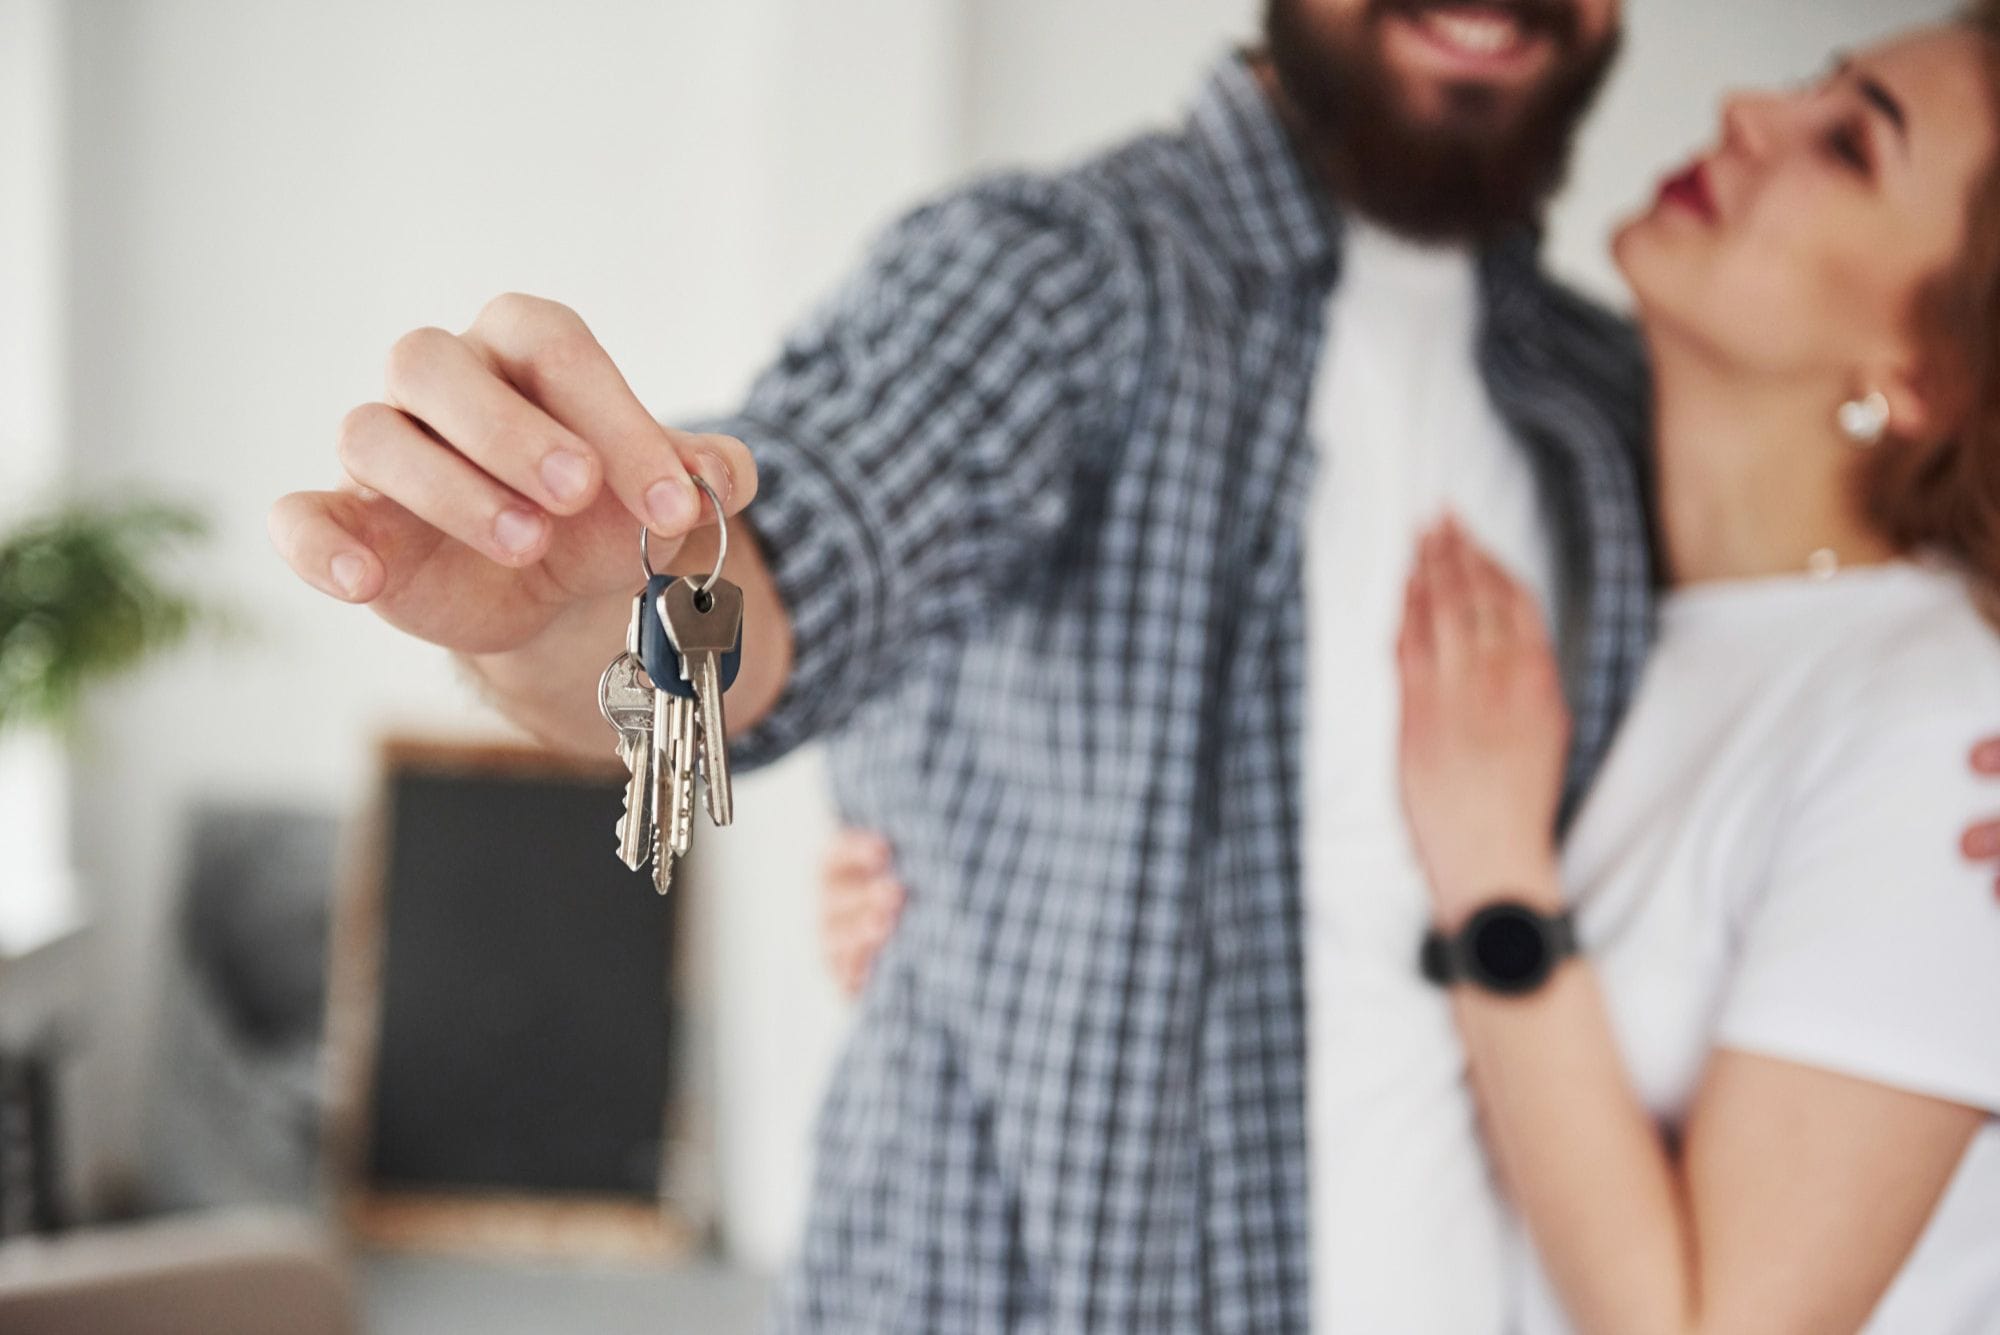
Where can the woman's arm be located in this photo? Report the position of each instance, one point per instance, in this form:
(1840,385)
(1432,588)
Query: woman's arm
(1794,1201)
(1798,1192)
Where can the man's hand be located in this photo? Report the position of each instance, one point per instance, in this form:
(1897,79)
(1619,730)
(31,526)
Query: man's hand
(1982,842)
(493,499)
(860,903)
(501,479)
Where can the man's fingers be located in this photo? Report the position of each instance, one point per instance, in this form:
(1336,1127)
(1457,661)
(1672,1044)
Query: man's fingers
(408,571)
(1982,842)
(435,377)
(547,352)
(1986,756)
(320,551)
(383,450)
(724,462)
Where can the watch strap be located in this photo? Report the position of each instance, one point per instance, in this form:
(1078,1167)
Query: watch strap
(1444,957)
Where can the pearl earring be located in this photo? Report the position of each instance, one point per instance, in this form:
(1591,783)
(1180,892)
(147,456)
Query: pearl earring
(1864,421)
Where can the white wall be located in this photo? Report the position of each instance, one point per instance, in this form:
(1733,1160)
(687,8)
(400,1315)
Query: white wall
(37,891)
(1047,79)
(265,194)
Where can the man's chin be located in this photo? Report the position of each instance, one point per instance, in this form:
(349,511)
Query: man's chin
(1412,143)
(1458,110)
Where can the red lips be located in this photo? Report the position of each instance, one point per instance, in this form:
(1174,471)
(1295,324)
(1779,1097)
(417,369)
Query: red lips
(1690,190)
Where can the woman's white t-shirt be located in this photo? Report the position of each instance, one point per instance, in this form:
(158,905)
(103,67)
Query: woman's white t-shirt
(1770,862)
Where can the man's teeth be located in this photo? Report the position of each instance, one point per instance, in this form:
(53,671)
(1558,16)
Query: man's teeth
(1480,35)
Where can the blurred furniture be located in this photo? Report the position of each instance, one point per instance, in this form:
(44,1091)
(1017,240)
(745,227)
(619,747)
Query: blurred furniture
(225,1273)
(241,1041)
(40,1000)
(30,1198)
(238,1100)
(503,1018)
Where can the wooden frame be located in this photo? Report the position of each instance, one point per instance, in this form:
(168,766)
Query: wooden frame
(480,1223)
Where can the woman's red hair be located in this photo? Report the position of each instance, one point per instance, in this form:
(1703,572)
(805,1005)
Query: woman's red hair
(1944,495)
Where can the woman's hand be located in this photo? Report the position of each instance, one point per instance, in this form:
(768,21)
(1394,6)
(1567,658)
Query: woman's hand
(1485,731)
(859,904)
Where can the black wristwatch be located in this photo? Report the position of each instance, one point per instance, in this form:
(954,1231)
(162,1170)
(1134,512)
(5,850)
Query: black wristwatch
(1506,947)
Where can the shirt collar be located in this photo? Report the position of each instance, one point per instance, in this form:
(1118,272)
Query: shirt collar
(1270,214)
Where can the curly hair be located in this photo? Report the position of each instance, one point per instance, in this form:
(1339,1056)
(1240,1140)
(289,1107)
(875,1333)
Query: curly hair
(1943,495)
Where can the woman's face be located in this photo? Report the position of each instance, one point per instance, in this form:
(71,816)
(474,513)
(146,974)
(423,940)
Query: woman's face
(1797,248)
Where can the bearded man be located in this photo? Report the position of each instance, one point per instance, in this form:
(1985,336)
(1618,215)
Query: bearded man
(1149,1042)
(1082,517)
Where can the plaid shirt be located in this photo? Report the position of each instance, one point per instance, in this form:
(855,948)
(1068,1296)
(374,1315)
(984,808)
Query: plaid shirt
(1033,488)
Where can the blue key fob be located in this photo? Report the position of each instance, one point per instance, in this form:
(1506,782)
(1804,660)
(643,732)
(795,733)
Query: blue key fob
(656,650)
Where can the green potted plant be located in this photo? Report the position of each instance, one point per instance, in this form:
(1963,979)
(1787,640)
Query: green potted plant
(80,603)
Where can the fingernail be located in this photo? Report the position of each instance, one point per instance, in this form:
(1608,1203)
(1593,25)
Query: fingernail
(565,473)
(716,473)
(1987,756)
(515,531)
(673,505)
(1983,843)
(348,570)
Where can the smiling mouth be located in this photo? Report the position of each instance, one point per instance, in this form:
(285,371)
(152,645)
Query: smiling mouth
(1477,39)
(1473,31)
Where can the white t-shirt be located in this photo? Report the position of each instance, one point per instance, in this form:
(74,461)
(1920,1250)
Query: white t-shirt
(1770,862)
(1400,1190)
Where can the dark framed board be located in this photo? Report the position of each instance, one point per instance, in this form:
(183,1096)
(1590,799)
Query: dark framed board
(502,1014)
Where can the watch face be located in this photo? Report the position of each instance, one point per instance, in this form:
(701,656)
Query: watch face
(1508,949)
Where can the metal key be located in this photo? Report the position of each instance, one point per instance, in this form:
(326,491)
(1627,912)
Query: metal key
(673,728)
(674,759)
(625,698)
(703,627)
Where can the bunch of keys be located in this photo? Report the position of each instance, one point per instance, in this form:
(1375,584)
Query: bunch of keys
(663,697)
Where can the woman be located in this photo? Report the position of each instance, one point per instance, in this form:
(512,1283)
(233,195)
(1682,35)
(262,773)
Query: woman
(1760,1092)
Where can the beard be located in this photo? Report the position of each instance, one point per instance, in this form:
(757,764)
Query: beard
(1475,171)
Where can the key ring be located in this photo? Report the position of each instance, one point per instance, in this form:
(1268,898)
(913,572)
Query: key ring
(721,550)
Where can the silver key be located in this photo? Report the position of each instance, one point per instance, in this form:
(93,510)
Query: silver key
(704,627)
(673,783)
(625,698)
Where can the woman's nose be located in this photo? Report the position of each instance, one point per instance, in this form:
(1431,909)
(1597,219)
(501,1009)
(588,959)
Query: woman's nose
(1746,120)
